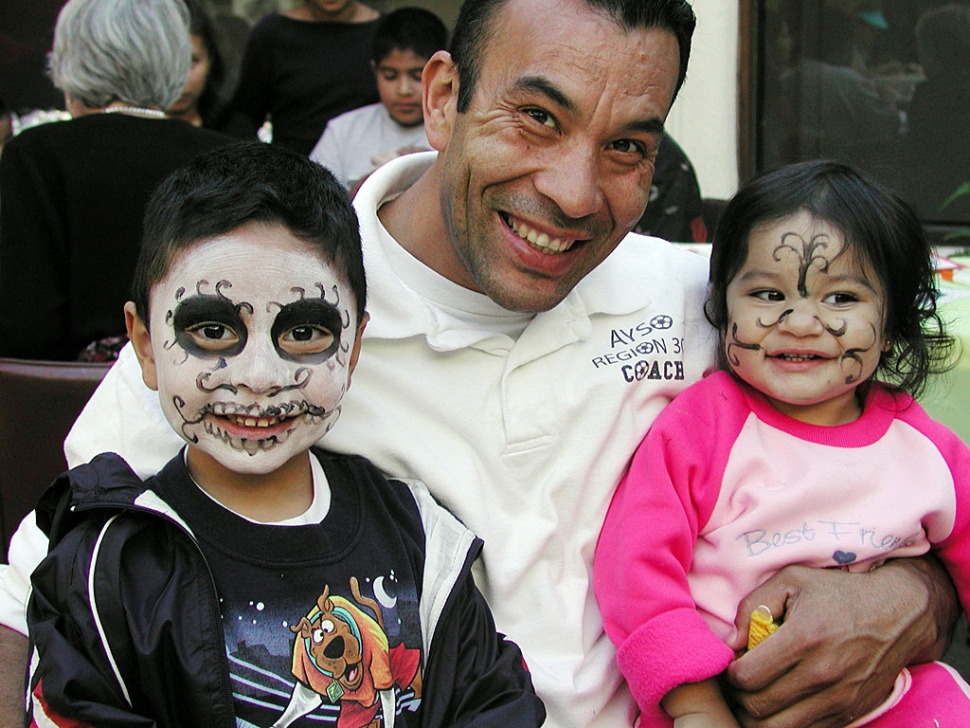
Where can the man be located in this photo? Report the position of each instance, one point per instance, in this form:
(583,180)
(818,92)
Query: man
(515,356)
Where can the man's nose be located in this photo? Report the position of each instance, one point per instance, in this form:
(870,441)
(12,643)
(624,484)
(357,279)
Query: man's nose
(570,177)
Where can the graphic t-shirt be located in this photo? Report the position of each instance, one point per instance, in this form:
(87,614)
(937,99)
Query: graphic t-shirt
(322,618)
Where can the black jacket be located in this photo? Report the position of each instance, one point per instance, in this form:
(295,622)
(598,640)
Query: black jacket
(126,620)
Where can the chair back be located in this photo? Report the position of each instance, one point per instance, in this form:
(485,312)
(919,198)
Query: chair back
(39,401)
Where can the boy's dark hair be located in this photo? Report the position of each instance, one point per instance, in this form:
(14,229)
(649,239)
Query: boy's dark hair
(245,182)
(879,228)
(409,29)
(474,31)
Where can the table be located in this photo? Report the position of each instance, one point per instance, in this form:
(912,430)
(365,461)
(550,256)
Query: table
(947,397)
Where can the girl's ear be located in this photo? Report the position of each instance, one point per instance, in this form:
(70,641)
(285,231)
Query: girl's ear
(141,342)
(439,83)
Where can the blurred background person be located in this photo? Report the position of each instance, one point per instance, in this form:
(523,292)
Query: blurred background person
(359,141)
(73,191)
(675,208)
(202,102)
(939,116)
(305,66)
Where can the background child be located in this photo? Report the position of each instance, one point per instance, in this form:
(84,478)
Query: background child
(358,142)
(807,448)
(254,581)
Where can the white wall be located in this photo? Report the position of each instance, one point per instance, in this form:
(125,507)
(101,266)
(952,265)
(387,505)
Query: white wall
(704,118)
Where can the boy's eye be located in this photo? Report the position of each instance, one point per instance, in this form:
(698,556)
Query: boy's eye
(305,339)
(212,336)
(768,295)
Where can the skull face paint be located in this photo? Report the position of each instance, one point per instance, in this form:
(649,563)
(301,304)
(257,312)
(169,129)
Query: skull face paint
(252,335)
(805,320)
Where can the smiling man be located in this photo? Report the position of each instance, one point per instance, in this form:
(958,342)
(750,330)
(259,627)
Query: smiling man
(517,353)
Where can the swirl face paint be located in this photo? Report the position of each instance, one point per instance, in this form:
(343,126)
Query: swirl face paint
(805,320)
(252,335)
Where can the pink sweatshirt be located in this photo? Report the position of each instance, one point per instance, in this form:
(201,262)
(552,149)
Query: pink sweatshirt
(725,490)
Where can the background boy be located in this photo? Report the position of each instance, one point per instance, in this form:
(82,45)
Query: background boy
(356,143)
(249,560)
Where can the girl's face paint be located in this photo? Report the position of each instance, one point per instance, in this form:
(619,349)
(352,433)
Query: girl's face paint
(253,337)
(805,320)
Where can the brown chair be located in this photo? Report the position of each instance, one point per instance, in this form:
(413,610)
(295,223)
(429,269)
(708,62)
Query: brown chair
(39,401)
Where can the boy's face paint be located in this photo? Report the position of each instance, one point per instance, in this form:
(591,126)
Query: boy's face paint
(805,320)
(252,336)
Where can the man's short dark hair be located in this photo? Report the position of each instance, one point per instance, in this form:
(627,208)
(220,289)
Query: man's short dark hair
(231,186)
(409,29)
(475,25)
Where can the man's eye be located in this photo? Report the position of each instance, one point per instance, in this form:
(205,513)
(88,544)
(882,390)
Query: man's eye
(416,76)
(543,117)
(389,75)
(630,146)
(771,296)
(212,336)
(302,340)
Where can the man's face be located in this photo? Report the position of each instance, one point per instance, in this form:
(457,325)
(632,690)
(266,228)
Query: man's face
(550,166)
(253,343)
(399,85)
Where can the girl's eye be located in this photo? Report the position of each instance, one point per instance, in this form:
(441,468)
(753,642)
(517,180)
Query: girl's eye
(212,336)
(307,339)
(840,299)
(543,117)
(771,296)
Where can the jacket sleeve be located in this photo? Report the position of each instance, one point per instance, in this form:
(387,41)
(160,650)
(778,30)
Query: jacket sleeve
(124,625)
(474,675)
(645,552)
(71,680)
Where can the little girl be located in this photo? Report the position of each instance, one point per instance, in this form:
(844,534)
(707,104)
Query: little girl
(806,448)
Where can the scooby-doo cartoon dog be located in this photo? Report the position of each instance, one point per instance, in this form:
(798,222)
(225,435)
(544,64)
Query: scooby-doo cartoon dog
(340,653)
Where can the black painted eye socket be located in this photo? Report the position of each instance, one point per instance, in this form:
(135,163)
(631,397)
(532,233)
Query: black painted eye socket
(307,330)
(209,326)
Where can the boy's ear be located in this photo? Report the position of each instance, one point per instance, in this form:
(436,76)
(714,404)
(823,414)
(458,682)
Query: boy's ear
(141,342)
(355,351)
(439,83)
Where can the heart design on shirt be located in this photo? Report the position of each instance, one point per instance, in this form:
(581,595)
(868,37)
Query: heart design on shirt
(844,557)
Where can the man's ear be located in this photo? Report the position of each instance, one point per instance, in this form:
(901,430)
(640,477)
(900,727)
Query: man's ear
(439,83)
(141,342)
(355,351)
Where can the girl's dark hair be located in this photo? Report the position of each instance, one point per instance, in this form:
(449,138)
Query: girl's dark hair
(212,105)
(878,227)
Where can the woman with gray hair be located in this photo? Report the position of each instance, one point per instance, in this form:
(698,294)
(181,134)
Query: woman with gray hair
(73,192)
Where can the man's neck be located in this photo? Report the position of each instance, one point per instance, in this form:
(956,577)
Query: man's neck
(414,219)
(354,13)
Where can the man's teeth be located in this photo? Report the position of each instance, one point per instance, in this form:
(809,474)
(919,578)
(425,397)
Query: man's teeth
(540,240)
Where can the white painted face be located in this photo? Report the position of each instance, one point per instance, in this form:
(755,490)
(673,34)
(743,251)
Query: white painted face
(252,336)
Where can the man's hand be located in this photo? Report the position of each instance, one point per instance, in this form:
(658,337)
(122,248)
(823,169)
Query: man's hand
(13,671)
(844,639)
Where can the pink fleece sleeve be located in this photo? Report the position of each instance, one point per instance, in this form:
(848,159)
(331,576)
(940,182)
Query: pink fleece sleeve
(646,545)
(954,549)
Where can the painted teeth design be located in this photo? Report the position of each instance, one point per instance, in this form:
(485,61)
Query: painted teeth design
(539,240)
(797,357)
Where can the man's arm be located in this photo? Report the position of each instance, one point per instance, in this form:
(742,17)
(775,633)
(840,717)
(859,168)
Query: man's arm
(13,671)
(845,638)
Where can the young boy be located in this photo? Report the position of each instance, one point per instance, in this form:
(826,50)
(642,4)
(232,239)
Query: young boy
(356,143)
(255,581)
